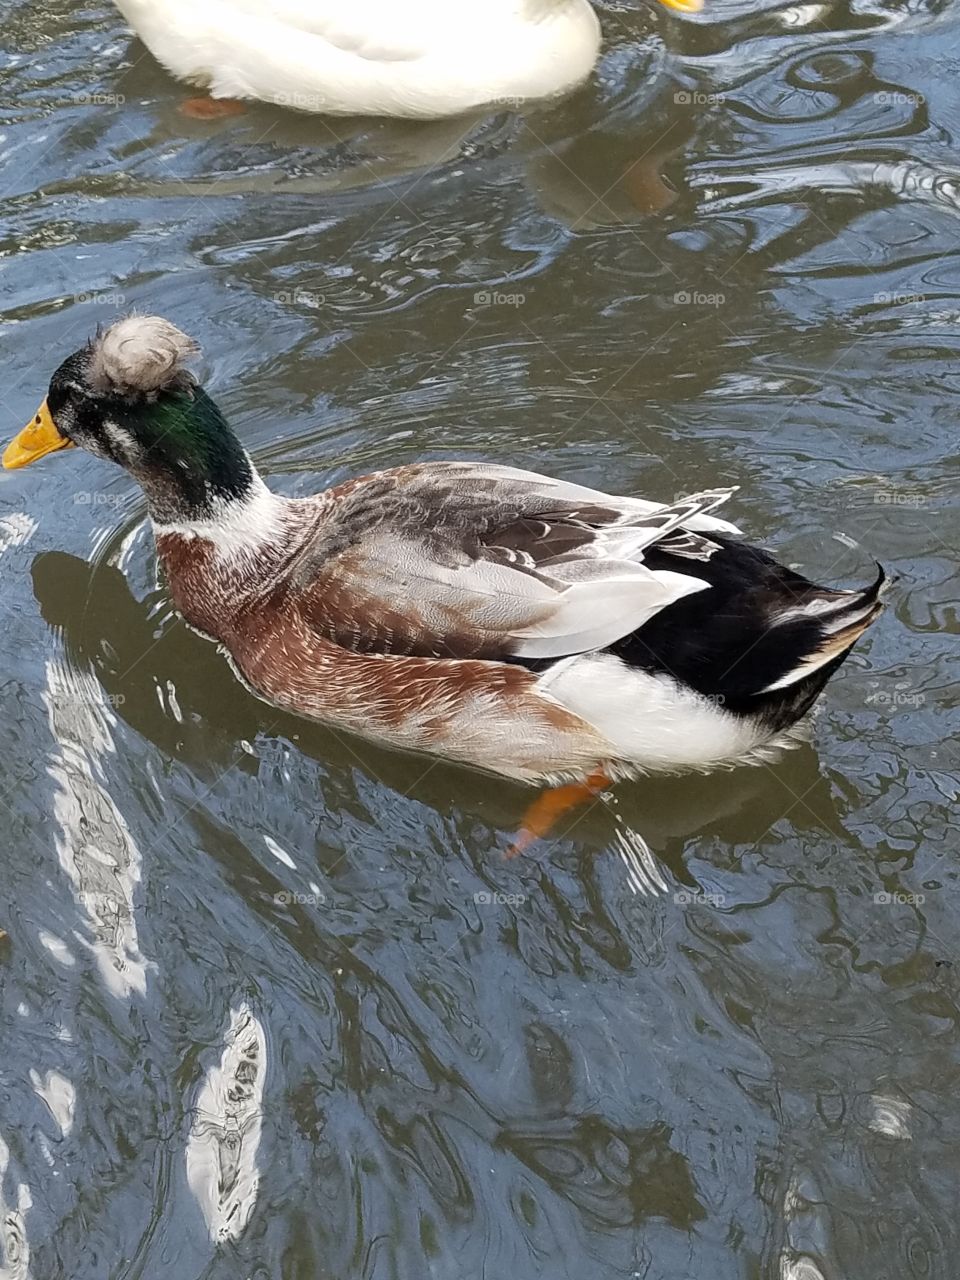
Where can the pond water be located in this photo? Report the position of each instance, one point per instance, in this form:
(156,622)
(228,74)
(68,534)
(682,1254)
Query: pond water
(273,1005)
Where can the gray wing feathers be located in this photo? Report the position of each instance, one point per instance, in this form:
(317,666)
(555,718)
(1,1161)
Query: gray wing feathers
(526,565)
(513,482)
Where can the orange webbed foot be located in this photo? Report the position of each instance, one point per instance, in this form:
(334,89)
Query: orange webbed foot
(207,108)
(550,806)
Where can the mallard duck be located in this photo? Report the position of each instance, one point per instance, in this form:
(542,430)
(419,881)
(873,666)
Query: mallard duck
(417,58)
(528,626)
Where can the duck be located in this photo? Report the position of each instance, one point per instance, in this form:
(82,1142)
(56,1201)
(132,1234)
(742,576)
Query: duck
(527,626)
(411,58)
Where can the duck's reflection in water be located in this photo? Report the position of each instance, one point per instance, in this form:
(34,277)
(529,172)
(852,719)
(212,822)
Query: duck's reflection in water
(94,845)
(14,1245)
(176,690)
(224,1140)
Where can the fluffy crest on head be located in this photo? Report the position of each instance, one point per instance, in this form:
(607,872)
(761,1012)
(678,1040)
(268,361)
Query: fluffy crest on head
(141,355)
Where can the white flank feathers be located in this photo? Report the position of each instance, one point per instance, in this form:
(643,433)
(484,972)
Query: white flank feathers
(651,721)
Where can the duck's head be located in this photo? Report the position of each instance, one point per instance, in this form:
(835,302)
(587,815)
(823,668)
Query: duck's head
(129,397)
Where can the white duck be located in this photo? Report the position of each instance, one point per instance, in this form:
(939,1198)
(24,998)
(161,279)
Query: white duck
(415,58)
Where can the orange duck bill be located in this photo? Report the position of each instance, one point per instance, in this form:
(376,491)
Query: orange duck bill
(36,440)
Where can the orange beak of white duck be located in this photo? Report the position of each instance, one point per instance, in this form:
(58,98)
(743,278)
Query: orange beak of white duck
(683,6)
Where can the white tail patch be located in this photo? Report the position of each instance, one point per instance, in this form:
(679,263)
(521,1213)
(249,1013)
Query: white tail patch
(654,723)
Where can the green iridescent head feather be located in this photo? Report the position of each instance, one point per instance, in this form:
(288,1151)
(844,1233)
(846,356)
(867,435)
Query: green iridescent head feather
(128,396)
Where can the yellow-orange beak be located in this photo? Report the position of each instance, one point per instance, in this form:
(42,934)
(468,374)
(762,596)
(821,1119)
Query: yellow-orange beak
(36,439)
(683,6)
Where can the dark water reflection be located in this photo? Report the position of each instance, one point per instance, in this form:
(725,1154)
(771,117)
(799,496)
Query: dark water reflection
(272,1002)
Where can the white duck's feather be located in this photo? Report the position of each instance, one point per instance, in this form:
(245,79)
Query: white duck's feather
(417,58)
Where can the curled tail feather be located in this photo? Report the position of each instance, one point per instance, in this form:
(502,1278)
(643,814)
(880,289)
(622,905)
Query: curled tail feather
(842,618)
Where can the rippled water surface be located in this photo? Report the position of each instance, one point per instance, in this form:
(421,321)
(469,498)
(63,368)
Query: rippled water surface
(272,1003)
